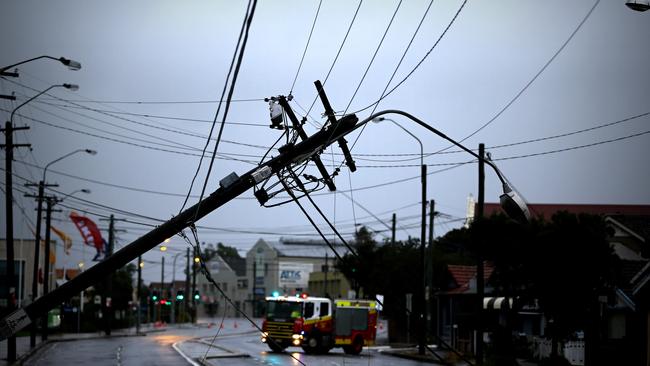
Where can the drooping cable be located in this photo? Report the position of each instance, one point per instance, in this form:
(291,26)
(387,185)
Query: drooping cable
(421,60)
(216,115)
(354,17)
(354,211)
(206,272)
(374,55)
(227,108)
(415,33)
(531,81)
(293,197)
(302,188)
(306,47)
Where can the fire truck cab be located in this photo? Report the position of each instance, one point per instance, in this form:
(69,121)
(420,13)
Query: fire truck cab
(317,324)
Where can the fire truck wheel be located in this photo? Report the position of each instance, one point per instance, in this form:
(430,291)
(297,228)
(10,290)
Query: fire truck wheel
(276,347)
(355,348)
(313,344)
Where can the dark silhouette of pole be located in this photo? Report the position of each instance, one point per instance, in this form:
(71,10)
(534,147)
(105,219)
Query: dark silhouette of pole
(187,285)
(432,320)
(194,285)
(392,230)
(162,286)
(423,240)
(9,205)
(480,283)
(37,249)
(107,306)
(46,258)
(139,296)
(254,288)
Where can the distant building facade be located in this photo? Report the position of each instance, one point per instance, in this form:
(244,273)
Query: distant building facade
(24,270)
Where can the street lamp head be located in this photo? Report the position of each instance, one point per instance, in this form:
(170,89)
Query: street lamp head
(71,64)
(73,87)
(91,152)
(638,5)
(514,206)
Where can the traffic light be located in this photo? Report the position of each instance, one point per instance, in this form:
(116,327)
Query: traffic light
(180,296)
(154,296)
(196,295)
(163,301)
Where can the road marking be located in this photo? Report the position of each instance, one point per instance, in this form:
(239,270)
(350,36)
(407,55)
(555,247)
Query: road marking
(188,359)
(119,355)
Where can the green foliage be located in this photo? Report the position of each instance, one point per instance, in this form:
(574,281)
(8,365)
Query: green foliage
(564,263)
(390,270)
(224,251)
(122,287)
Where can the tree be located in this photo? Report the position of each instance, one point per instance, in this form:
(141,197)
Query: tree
(387,269)
(224,251)
(564,264)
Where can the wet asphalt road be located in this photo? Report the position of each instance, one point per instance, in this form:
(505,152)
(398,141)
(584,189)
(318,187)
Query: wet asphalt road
(185,345)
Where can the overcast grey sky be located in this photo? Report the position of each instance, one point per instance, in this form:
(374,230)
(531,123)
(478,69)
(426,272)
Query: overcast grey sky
(166,51)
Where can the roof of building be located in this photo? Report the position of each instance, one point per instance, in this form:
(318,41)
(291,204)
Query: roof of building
(546,210)
(463,274)
(237,264)
(299,248)
(70,273)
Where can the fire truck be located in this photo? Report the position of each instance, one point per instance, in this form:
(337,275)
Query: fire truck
(317,324)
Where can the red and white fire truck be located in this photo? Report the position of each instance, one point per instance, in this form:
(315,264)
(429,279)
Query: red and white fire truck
(315,325)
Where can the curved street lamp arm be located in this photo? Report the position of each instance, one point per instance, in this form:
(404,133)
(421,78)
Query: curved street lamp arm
(506,187)
(59,159)
(11,119)
(71,64)
(410,133)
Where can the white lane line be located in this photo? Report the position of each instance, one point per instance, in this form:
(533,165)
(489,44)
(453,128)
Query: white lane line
(188,359)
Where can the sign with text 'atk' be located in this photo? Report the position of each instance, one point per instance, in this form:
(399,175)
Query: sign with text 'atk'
(293,274)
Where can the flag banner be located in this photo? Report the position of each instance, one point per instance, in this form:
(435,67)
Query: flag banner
(89,232)
(67,241)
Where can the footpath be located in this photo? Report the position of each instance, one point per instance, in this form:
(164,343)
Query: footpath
(24,351)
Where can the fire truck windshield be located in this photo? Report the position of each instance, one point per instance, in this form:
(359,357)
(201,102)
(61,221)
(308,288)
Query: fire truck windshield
(277,310)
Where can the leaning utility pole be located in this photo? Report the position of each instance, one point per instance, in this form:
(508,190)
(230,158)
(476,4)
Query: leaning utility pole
(9,157)
(229,188)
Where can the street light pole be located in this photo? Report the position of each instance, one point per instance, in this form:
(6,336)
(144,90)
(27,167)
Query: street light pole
(173,288)
(10,245)
(139,296)
(39,213)
(162,286)
(480,281)
(423,228)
